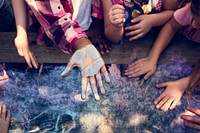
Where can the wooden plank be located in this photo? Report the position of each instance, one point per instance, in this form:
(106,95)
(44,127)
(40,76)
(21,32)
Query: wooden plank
(120,54)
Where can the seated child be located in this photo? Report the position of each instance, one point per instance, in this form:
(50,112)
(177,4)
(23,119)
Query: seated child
(57,18)
(137,17)
(186,19)
(7,22)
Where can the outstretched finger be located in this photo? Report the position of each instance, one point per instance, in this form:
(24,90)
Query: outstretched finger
(167,104)
(137,19)
(100,83)
(193,110)
(191,118)
(27,59)
(84,87)
(159,98)
(162,102)
(162,85)
(94,88)
(148,75)
(67,69)
(8,116)
(105,73)
(33,60)
(136,36)
(193,126)
(175,102)
(3,116)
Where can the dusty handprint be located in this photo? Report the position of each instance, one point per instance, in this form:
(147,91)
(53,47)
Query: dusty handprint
(90,63)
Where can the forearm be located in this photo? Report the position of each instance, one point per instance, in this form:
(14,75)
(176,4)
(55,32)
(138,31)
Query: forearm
(184,82)
(161,18)
(20,12)
(112,32)
(163,39)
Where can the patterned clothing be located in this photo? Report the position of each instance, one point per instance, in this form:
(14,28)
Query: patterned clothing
(57,20)
(156,4)
(184,17)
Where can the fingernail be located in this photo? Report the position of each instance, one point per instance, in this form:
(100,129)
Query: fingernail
(97,98)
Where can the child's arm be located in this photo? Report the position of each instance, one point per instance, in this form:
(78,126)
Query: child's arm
(113,20)
(172,94)
(146,22)
(91,65)
(21,40)
(147,65)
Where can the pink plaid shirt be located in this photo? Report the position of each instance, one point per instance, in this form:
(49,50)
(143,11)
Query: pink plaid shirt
(55,17)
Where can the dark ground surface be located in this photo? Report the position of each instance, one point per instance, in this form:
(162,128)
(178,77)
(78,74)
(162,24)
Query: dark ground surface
(51,104)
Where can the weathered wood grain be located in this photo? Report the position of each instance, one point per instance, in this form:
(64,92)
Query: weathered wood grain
(124,53)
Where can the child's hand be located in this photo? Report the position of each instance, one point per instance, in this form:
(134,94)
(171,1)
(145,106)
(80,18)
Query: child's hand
(4,118)
(90,63)
(116,15)
(194,120)
(142,66)
(141,25)
(22,46)
(172,94)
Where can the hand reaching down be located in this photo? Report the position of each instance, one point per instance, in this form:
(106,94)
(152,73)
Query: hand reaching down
(4,119)
(142,66)
(90,63)
(172,94)
(24,50)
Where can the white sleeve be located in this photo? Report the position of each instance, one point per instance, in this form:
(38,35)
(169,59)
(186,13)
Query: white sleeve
(82,13)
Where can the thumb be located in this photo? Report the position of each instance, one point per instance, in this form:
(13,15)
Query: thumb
(162,84)
(19,49)
(67,70)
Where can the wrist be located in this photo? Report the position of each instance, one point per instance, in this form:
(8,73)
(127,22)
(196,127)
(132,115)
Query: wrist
(184,82)
(81,43)
(153,59)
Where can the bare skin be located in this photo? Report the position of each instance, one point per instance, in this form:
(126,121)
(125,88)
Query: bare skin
(4,119)
(91,65)
(192,122)
(80,47)
(21,40)
(172,94)
(148,65)
(144,22)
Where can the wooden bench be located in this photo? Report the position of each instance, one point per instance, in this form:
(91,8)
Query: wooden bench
(124,53)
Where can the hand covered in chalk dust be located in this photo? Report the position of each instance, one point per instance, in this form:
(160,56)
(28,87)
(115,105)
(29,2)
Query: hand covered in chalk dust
(90,63)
